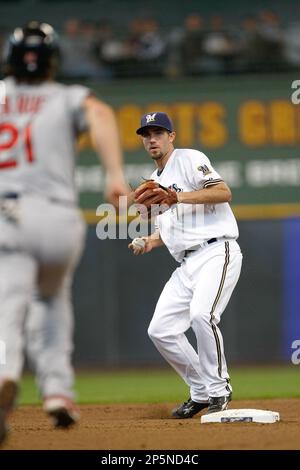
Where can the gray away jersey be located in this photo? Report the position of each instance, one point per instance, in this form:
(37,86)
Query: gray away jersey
(38,129)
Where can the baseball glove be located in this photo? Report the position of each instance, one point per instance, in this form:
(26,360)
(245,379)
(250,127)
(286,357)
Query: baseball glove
(150,193)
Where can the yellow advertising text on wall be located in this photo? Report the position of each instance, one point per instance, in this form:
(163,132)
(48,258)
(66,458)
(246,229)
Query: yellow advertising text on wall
(256,124)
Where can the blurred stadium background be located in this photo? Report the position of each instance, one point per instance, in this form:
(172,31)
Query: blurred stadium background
(223,70)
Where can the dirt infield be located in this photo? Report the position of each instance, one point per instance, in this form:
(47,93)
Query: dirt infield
(135,427)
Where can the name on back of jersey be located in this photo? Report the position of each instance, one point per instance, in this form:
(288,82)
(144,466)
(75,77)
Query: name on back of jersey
(23,104)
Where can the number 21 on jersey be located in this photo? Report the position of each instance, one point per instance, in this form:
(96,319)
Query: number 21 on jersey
(10,138)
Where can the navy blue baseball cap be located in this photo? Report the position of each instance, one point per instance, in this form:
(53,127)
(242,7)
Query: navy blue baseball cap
(155,119)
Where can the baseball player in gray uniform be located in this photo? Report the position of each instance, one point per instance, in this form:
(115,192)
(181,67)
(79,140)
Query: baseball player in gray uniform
(41,228)
(200,231)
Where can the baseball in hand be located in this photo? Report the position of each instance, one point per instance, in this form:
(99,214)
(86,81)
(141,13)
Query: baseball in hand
(138,243)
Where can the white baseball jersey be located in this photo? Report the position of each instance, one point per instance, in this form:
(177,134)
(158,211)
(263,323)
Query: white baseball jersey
(185,226)
(38,124)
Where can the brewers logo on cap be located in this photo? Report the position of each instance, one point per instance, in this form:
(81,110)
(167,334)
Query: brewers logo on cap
(156,119)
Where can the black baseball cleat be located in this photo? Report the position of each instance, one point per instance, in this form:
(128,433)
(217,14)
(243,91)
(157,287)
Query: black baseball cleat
(63,418)
(62,411)
(218,403)
(8,397)
(188,409)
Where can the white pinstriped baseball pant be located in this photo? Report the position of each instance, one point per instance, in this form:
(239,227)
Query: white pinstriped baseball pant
(196,296)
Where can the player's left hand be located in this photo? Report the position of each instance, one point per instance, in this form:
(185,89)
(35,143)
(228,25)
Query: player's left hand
(150,194)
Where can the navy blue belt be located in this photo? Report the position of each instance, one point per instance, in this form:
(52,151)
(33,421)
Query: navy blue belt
(10,195)
(188,252)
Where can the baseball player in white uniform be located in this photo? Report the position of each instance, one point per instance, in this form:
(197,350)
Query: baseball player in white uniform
(200,231)
(41,228)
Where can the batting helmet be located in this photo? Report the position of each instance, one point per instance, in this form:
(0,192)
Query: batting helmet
(32,51)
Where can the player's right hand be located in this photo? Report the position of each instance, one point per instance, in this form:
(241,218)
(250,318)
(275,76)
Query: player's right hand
(139,250)
(115,188)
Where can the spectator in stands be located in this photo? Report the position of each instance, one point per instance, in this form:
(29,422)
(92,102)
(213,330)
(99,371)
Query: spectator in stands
(145,47)
(191,47)
(272,42)
(151,45)
(218,46)
(77,49)
(110,50)
(292,45)
(249,44)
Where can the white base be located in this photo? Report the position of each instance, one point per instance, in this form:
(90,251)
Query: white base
(241,416)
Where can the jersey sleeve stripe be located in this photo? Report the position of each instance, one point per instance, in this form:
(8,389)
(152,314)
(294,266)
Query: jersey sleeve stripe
(212,182)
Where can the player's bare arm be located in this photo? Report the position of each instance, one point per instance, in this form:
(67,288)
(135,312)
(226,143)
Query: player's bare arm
(105,138)
(214,194)
(153,193)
